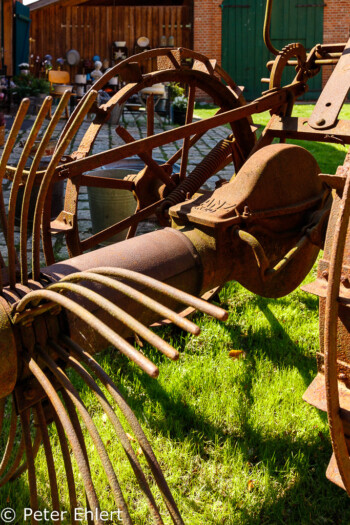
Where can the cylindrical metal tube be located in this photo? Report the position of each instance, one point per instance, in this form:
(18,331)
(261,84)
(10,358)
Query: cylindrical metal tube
(166,255)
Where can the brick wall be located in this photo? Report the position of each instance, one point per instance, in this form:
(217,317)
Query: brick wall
(336,26)
(207,28)
(207,31)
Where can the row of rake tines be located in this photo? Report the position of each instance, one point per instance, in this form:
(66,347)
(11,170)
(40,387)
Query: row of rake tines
(7,220)
(68,353)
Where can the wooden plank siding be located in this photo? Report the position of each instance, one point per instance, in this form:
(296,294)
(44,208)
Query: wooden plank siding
(92,30)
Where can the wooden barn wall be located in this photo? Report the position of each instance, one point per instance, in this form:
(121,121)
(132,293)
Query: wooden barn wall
(92,30)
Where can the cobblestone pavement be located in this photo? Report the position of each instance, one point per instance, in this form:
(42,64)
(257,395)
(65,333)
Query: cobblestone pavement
(106,139)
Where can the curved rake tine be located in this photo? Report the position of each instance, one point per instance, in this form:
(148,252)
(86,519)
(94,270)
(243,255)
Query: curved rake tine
(102,452)
(10,475)
(133,422)
(163,311)
(166,289)
(45,185)
(125,348)
(117,426)
(2,412)
(11,140)
(70,432)
(36,445)
(77,427)
(49,458)
(10,441)
(25,417)
(121,316)
(14,189)
(30,182)
(67,466)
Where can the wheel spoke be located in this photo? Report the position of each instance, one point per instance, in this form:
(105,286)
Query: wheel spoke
(150,115)
(187,140)
(147,158)
(92,241)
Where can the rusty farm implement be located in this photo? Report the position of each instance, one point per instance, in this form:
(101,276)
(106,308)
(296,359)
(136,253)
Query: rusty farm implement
(263,229)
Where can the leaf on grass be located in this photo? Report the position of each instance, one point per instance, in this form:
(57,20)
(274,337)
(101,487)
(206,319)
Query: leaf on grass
(236,354)
(139,452)
(251,485)
(130,437)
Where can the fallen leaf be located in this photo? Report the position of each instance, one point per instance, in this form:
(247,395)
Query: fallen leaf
(139,452)
(236,354)
(130,437)
(250,485)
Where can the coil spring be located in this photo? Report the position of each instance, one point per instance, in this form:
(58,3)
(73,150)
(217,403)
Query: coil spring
(201,173)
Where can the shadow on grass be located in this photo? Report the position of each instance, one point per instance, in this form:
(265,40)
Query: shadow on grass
(307,496)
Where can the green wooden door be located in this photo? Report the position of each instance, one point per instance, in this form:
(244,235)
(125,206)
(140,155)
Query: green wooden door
(244,54)
(21,35)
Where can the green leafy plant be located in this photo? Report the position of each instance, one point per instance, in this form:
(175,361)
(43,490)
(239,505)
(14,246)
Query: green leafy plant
(29,86)
(175,90)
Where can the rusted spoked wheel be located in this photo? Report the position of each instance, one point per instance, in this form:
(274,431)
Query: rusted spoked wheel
(154,182)
(339,444)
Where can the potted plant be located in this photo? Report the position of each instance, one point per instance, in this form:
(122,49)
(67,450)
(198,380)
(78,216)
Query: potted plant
(179,109)
(29,86)
(24,68)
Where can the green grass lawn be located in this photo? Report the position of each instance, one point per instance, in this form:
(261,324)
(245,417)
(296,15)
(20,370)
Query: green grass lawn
(237,444)
(329,156)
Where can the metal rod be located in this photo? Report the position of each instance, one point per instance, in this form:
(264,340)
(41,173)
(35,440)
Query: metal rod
(30,182)
(92,241)
(10,441)
(264,103)
(120,315)
(49,459)
(129,351)
(133,422)
(11,472)
(45,185)
(166,289)
(187,140)
(70,432)
(25,417)
(77,427)
(102,452)
(68,467)
(267,28)
(17,472)
(163,311)
(147,158)
(15,185)
(150,115)
(121,434)
(11,140)
(2,411)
